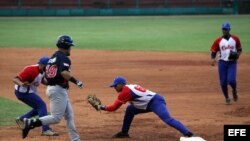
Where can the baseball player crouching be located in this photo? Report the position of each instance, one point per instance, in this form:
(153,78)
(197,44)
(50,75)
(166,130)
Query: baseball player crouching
(141,101)
(26,84)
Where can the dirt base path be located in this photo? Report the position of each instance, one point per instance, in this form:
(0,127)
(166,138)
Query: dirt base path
(186,80)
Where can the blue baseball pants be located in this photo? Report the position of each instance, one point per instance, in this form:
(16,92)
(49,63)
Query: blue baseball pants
(158,106)
(36,102)
(227,74)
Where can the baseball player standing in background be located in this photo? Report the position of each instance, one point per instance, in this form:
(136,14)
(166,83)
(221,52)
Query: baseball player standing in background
(58,76)
(141,101)
(230,49)
(26,84)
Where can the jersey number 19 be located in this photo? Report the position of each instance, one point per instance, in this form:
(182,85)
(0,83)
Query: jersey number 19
(51,71)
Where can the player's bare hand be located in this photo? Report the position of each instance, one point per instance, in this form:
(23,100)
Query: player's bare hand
(25,84)
(212,62)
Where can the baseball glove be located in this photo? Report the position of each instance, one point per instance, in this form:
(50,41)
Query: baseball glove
(233,55)
(95,102)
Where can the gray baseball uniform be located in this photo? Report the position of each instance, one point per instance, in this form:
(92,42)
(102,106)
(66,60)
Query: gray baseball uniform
(60,107)
(57,91)
(58,77)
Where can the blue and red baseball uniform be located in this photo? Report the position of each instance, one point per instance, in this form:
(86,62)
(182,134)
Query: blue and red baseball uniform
(143,101)
(227,68)
(29,94)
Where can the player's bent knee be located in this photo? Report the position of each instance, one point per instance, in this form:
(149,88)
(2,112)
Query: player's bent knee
(42,106)
(232,81)
(57,119)
(68,117)
(224,85)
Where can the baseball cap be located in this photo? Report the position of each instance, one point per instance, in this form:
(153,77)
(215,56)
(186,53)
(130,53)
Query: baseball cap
(118,80)
(226,26)
(43,60)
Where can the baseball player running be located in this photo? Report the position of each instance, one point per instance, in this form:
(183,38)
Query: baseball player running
(230,49)
(141,101)
(26,84)
(58,76)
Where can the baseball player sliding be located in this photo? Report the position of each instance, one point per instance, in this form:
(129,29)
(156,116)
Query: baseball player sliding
(58,76)
(141,101)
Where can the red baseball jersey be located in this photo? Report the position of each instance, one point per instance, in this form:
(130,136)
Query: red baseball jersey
(136,95)
(224,46)
(33,76)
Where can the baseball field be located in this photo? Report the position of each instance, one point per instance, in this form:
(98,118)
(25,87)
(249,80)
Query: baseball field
(166,54)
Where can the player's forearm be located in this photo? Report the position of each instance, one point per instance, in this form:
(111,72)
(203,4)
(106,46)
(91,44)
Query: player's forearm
(66,75)
(117,104)
(44,81)
(17,81)
(239,51)
(213,55)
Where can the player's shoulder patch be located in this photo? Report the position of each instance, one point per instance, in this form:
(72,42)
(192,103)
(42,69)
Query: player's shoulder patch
(52,60)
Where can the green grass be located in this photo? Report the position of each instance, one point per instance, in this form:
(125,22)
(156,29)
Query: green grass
(156,33)
(10,110)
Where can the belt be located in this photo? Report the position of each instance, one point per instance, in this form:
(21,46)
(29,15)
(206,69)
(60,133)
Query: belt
(63,86)
(27,91)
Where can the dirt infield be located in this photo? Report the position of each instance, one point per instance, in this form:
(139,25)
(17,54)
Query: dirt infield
(186,80)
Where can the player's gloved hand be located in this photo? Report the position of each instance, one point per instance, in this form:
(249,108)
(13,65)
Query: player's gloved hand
(233,56)
(79,84)
(95,102)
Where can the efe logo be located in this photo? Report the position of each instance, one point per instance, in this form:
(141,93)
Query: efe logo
(236,132)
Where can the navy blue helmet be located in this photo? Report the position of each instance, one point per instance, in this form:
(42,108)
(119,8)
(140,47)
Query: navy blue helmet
(64,41)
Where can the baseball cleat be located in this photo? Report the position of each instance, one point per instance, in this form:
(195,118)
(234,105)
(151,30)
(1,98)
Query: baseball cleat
(121,135)
(19,122)
(26,129)
(50,132)
(228,101)
(189,134)
(235,96)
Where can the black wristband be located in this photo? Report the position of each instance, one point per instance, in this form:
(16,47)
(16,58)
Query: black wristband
(103,107)
(73,80)
(213,55)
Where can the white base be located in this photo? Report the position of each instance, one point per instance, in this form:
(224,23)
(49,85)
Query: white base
(191,139)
